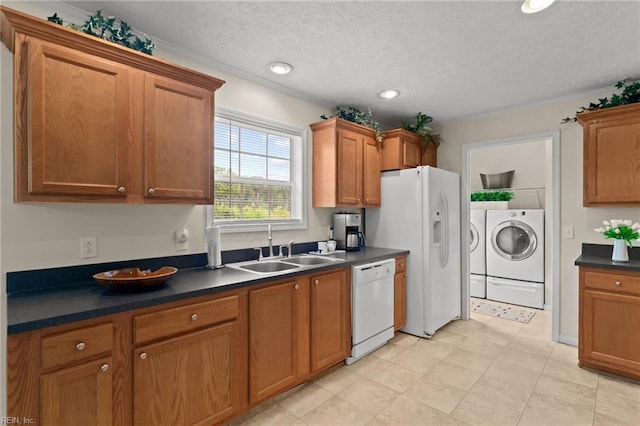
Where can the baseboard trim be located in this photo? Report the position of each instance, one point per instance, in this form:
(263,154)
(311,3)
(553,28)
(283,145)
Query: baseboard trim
(546,308)
(568,340)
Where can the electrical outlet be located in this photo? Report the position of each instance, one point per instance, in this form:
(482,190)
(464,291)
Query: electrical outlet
(88,247)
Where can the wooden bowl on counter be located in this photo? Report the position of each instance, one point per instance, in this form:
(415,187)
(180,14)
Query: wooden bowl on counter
(133,279)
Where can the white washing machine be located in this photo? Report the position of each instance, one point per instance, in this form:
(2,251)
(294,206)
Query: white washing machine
(477,251)
(477,246)
(478,286)
(515,256)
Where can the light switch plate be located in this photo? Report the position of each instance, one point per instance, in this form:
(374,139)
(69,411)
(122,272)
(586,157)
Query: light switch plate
(567,232)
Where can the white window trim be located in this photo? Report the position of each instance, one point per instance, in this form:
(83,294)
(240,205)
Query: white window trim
(299,174)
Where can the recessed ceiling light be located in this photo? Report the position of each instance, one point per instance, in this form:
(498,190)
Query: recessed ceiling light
(280,68)
(389,94)
(533,6)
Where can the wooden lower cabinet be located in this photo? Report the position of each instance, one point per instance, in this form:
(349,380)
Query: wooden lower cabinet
(330,319)
(609,321)
(196,362)
(400,294)
(78,395)
(278,338)
(188,380)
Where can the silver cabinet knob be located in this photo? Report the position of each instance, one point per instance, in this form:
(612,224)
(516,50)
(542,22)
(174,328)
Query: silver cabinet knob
(618,283)
(151,191)
(405,275)
(296,286)
(121,189)
(105,367)
(316,282)
(194,317)
(80,346)
(143,355)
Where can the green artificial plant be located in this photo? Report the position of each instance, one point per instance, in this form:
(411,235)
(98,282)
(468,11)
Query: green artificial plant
(421,128)
(491,196)
(111,29)
(630,94)
(358,116)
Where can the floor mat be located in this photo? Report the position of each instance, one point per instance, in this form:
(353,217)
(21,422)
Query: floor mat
(502,310)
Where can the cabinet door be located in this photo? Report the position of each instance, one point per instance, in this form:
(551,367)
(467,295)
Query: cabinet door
(178,135)
(78,124)
(278,338)
(79,395)
(192,379)
(609,334)
(349,167)
(330,319)
(399,300)
(371,172)
(430,156)
(611,166)
(411,153)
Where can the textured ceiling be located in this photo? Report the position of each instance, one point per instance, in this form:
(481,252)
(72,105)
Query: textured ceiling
(449,59)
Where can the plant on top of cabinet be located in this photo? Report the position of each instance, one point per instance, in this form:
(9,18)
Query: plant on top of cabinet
(357,116)
(112,29)
(421,128)
(630,94)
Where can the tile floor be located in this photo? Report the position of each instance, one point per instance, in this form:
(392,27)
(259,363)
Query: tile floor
(485,371)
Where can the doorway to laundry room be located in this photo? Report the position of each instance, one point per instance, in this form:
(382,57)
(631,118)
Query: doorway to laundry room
(511,199)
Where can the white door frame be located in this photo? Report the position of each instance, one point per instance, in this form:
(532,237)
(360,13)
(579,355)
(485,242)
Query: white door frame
(554,221)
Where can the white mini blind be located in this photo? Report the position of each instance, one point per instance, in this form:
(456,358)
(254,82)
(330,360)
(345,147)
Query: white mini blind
(254,169)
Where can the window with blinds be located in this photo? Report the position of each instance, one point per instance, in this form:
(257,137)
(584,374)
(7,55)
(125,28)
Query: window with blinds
(257,171)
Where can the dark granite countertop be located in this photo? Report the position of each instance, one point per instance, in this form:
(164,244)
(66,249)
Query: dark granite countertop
(45,308)
(599,256)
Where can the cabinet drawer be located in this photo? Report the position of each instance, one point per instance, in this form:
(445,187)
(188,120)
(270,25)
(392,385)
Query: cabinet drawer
(401,264)
(184,318)
(76,345)
(613,282)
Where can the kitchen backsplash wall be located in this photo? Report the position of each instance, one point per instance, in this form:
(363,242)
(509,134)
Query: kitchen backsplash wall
(43,235)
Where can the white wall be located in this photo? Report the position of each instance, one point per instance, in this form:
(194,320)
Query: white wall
(536,119)
(41,235)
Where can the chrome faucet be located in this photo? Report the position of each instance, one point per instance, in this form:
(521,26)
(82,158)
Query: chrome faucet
(288,246)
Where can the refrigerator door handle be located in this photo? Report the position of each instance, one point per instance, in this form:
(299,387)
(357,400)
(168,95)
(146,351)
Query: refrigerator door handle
(444,229)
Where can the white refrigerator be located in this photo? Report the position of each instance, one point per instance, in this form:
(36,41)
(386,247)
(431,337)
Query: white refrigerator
(420,211)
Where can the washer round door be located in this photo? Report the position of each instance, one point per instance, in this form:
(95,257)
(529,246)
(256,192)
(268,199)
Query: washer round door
(514,240)
(474,237)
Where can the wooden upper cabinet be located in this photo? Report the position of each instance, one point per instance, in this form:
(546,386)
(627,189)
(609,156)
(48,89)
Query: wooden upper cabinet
(178,140)
(346,165)
(78,125)
(402,149)
(98,122)
(371,177)
(611,152)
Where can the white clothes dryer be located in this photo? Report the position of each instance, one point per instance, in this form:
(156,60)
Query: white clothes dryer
(477,245)
(515,244)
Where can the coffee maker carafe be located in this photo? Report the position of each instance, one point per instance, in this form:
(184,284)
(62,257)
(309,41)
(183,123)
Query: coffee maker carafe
(347,231)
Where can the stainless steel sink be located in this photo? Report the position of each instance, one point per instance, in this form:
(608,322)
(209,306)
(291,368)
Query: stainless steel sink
(308,260)
(268,267)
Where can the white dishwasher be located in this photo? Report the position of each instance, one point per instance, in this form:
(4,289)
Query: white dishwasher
(371,307)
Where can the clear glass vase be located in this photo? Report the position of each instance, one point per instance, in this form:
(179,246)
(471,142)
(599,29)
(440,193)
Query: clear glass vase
(620,251)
